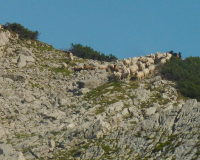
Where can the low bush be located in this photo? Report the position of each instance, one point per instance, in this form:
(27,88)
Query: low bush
(89,53)
(186,73)
(24,33)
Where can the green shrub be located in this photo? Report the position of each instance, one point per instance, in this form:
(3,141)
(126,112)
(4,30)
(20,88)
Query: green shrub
(88,53)
(186,73)
(24,33)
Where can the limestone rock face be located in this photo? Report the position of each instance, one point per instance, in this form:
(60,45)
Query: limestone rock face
(93,152)
(89,83)
(7,152)
(83,91)
(4,38)
(150,111)
(50,111)
(2,132)
(22,60)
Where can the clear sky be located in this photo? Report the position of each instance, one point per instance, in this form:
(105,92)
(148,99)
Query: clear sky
(125,28)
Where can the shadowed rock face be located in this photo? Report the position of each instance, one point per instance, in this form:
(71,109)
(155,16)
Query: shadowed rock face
(4,38)
(48,111)
(89,83)
(15,77)
(1,151)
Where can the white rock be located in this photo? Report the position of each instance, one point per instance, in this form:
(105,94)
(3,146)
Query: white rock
(169,107)
(30,59)
(70,126)
(4,38)
(7,152)
(64,65)
(2,132)
(118,105)
(51,145)
(21,61)
(125,111)
(83,91)
(150,111)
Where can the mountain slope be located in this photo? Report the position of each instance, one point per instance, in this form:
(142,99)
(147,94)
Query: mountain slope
(48,111)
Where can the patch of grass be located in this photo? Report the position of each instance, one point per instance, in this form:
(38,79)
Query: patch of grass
(109,151)
(161,146)
(148,86)
(132,122)
(100,110)
(26,149)
(94,93)
(170,144)
(155,98)
(106,148)
(66,60)
(10,117)
(75,152)
(175,104)
(138,134)
(116,84)
(65,72)
(118,87)
(24,135)
(127,116)
(126,106)
(173,137)
(109,93)
(36,85)
(61,155)
(182,97)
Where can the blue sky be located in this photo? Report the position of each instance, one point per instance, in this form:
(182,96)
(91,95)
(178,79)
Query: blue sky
(124,28)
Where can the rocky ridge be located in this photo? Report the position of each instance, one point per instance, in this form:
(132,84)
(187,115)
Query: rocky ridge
(51,112)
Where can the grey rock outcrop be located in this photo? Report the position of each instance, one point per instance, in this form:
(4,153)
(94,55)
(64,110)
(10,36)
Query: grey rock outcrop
(7,152)
(49,111)
(22,60)
(89,83)
(94,152)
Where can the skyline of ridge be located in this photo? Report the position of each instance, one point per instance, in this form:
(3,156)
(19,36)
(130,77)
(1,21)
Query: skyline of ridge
(124,29)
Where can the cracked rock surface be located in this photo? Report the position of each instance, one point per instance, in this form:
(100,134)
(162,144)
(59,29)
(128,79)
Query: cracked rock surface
(48,111)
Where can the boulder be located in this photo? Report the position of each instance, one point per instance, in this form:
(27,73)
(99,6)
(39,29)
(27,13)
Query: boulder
(89,83)
(70,126)
(4,38)
(27,143)
(21,61)
(115,107)
(7,92)
(94,152)
(51,144)
(30,59)
(168,107)
(7,152)
(14,77)
(9,51)
(83,91)
(2,132)
(64,65)
(55,114)
(125,112)
(150,111)
(40,151)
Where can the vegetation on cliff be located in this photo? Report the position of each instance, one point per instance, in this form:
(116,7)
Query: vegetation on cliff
(24,33)
(89,53)
(186,73)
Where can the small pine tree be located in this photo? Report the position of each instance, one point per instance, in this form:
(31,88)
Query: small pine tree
(24,33)
(89,53)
